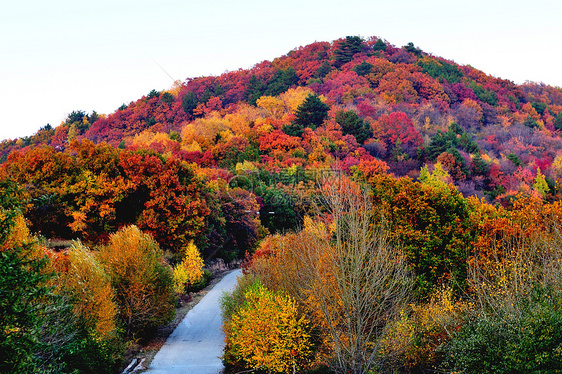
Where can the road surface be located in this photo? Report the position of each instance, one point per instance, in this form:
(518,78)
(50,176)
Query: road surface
(197,343)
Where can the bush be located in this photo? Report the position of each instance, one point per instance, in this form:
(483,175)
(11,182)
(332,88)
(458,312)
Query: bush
(141,279)
(22,289)
(202,282)
(98,345)
(528,341)
(267,332)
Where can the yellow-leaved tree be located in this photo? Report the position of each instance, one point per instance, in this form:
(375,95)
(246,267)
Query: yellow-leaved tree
(267,332)
(189,270)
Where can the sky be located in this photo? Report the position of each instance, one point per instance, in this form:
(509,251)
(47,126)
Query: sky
(58,56)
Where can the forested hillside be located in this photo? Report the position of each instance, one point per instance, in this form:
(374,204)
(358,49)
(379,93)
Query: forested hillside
(401,106)
(315,168)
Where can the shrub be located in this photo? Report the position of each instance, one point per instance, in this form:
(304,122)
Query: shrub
(89,285)
(141,279)
(267,332)
(529,341)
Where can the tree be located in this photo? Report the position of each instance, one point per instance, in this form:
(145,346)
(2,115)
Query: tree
(352,124)
(455,138)
(311,113)
(344,272)
(363,68)
(189,102)
(22,312)
(189,270)
(361,281)
(431,221)
(412,49)
(254,90)
(397,129)
(379,45)
(323,70)
(281,81)
(558,121)
(88,284)
(346,49)
(166,199)
(540,184)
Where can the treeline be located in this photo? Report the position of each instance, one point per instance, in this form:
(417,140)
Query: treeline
(89,191)
(84,309)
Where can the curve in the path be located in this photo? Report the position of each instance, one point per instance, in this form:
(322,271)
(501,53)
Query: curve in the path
(197,343)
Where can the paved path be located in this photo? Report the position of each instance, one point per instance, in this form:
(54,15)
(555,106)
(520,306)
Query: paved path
(197,343)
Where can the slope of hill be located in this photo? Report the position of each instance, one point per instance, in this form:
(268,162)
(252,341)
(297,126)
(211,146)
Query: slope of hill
(393,104)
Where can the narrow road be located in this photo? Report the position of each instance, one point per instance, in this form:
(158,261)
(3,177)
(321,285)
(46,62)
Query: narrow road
(197,343)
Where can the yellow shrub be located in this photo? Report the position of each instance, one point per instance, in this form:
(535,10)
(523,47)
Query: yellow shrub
(415,336)
(267,333)
(19,235)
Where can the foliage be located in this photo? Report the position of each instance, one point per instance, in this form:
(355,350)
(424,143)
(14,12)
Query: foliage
(223,160)
(454,138)
(346,275)
(189,270)
(397,130)
(440,69)
(311,113)
(141,280)
(414,342)
(352,124)
(268,333)
(363,68)
(347,48)
(22,287)
(189,102)
(529,341)
(87,283)
(431,222)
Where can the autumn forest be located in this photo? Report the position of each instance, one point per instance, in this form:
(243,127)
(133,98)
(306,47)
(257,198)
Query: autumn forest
(392,211)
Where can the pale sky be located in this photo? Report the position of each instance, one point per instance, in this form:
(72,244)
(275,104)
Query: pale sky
(58,56)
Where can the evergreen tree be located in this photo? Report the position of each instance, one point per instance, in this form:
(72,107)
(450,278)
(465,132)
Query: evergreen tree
(352,124)
(379,45)
(323,70)
(347,48)
(363,68)
(189,102)
(282,81)
(311,113)
(254,90)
